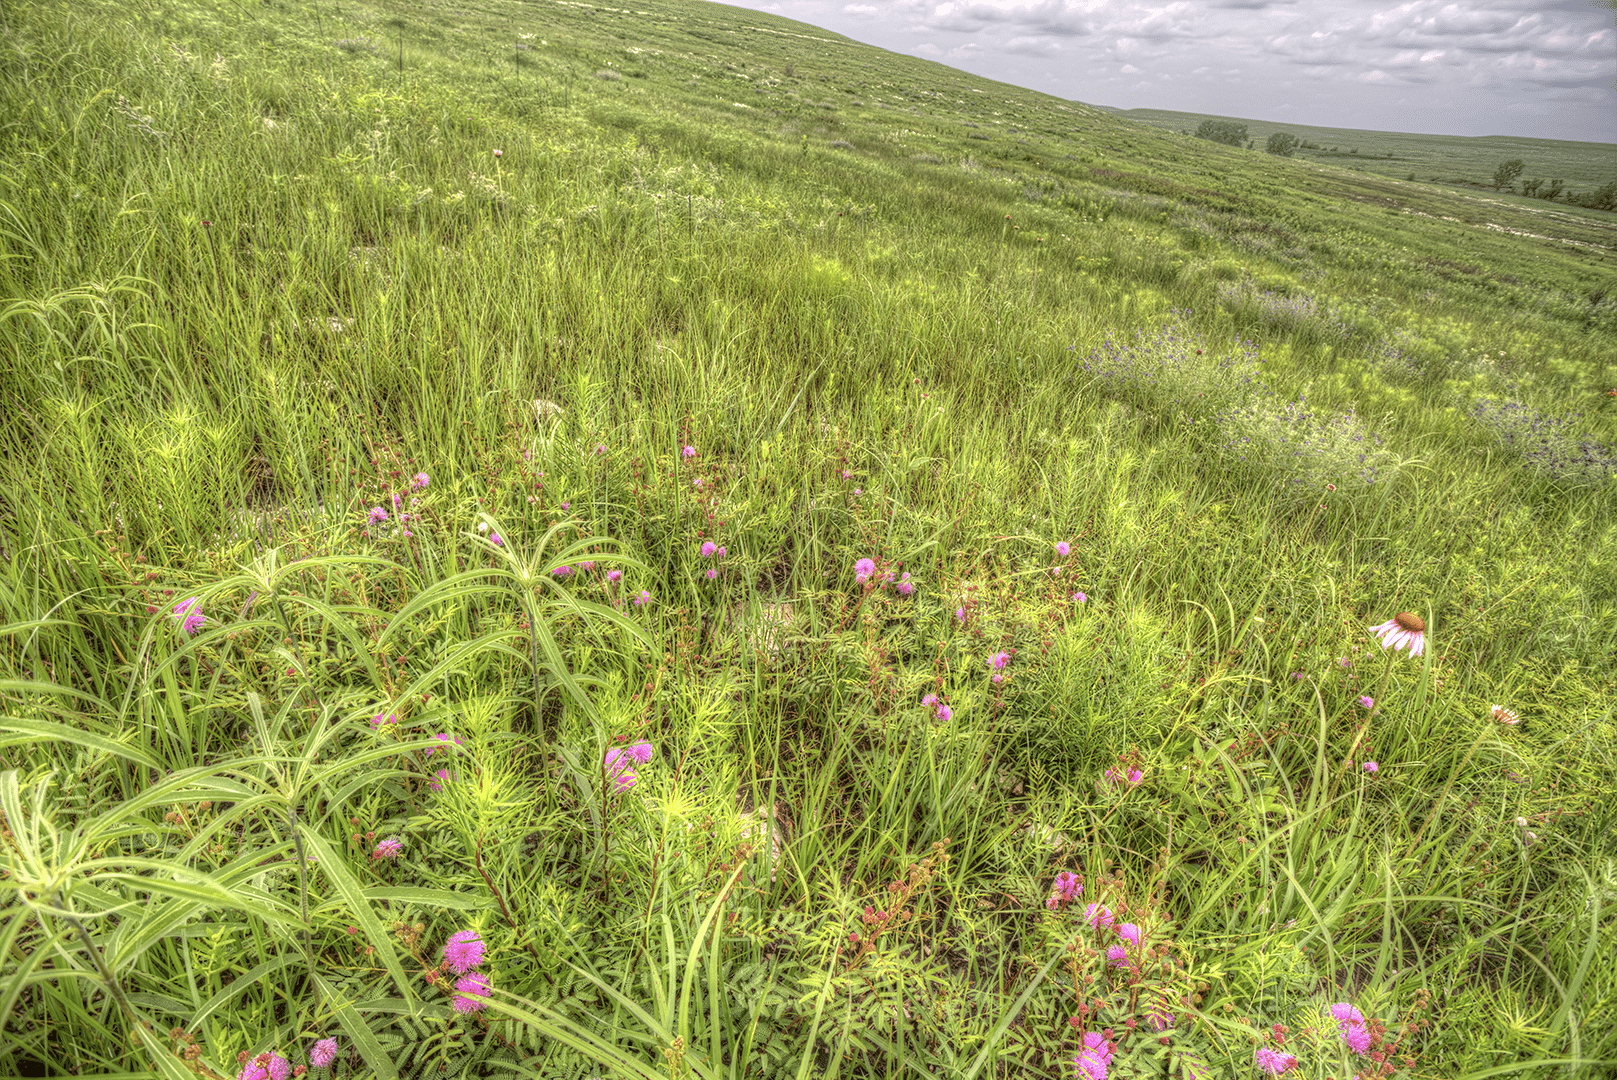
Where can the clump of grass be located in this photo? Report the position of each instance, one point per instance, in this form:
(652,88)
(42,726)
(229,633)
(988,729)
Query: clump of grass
(1171,370)
(1294,313)
(1306,452)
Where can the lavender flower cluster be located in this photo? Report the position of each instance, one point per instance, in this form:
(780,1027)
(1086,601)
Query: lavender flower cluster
(1310,450)
(1546,444)
(1172,368)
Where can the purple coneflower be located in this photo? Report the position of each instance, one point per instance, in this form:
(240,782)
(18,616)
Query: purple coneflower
(1403,630)
(1505,716)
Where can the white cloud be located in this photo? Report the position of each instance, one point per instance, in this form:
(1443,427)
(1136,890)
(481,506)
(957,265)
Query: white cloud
(1412,65)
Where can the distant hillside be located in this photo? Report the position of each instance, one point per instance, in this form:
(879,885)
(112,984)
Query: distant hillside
(1453,159)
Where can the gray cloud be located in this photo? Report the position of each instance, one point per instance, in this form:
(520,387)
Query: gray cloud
(1470,67)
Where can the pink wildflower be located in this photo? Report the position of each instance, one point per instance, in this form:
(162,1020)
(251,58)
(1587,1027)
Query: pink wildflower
(1099,916)
(470,990)
(1403,630)
(863,569)
(390,848)
(323,1053)
(1095,1057)
(1274,1062)
(463,951)
(189,612)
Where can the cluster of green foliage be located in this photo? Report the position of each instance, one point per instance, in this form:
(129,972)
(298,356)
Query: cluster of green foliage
(1222,131)
(1283,144)
(950,488)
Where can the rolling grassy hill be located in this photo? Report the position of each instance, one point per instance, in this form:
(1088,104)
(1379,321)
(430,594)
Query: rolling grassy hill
(1450,159)
(549,539)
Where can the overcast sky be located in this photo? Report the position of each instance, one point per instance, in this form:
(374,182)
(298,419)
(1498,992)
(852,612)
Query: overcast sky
(1452,67)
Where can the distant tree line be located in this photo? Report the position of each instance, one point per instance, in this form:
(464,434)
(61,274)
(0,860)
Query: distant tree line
(1504,179)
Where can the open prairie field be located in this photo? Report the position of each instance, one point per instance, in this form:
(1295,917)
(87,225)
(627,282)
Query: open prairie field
(553,540)
(1449,159)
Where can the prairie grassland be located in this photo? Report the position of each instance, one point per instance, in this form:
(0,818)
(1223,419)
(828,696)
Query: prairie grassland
(551,540)
(1454,159)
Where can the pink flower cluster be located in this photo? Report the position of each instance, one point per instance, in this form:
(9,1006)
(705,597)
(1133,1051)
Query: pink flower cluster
(1275,1062)
(189,614)
(265,1066)
(620,763)
(323,1053)
(1096,1056)
(1350,1022)
(463,952)
(1117,776)
(1065,889)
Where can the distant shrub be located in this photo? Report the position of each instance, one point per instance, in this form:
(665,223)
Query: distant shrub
(609,75)
(1604,198)
(1227,132)
(1546,444)
(353,45)
(1507,172)
(1282,144)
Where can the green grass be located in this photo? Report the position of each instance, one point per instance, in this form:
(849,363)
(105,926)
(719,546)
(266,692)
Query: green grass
(261,267)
